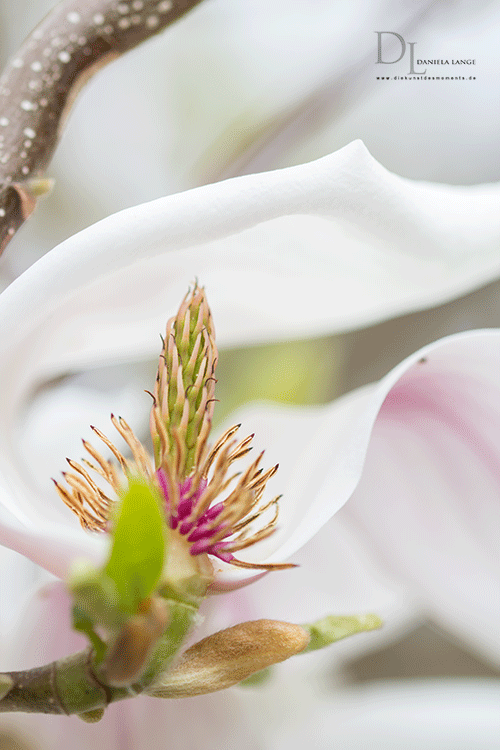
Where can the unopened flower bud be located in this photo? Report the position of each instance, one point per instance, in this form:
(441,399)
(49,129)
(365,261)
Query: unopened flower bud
(230,656)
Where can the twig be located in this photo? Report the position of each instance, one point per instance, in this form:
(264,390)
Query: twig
(42,80)
(76,685)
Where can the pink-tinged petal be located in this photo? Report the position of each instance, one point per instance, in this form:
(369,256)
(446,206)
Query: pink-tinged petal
(145,723)
(428,499)
(419,456)
(18,576)
(44,631)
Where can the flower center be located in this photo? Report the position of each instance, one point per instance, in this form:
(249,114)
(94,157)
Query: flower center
(190,474)
(200,528)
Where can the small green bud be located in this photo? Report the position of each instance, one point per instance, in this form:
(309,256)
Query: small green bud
(118,598)
(139,545)
(39,186)
(333,628)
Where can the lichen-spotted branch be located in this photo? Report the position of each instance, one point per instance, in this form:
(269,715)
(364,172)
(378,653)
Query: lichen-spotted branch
(42,80)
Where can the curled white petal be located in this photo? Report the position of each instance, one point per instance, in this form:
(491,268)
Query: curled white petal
(326,246)
(277,262)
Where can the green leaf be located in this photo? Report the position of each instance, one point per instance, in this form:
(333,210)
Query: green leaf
(138,550)
(333,628)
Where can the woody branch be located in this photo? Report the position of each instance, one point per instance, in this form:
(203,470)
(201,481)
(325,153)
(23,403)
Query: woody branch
(41,82)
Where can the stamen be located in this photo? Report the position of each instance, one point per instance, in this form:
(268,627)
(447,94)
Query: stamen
(141,458)
(112,448)
(162,480)
(204,531)
(247,521)
(217,447)
(212,513)
(259,566)
(104,468)
(185,509)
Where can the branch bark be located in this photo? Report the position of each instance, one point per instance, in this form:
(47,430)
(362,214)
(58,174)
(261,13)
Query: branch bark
(67,686)
(41,82)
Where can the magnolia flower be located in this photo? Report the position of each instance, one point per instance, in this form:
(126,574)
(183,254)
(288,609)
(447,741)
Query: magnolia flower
(101,295)
(97,298)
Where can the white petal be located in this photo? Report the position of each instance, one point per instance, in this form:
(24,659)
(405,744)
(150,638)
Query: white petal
(428,492)
(52,545)
(408,245)
(18,575)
